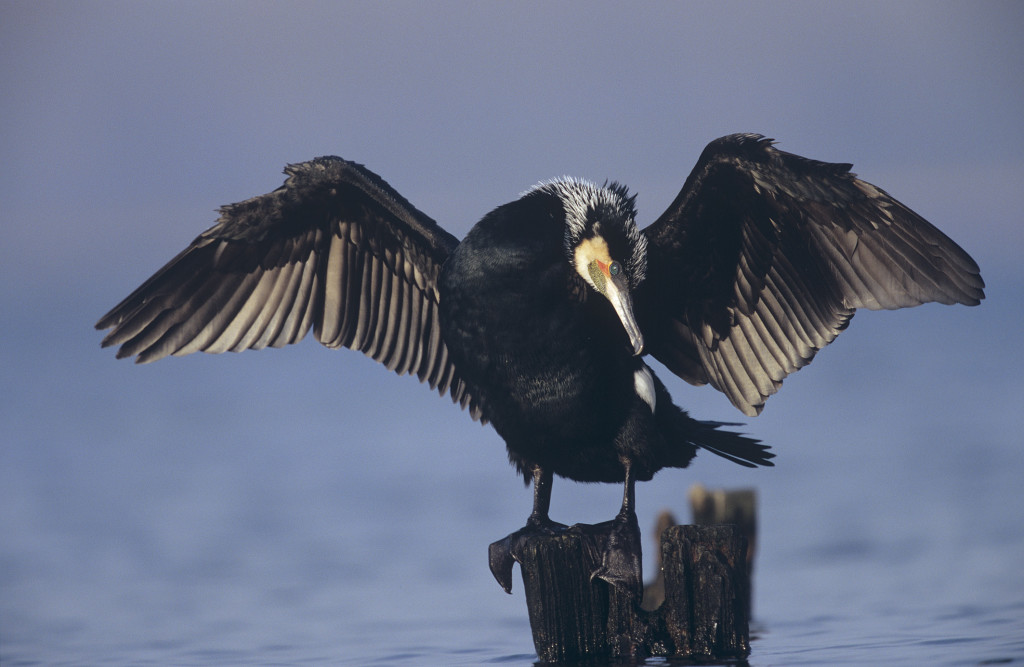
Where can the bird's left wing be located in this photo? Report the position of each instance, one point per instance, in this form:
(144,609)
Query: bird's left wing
(763,257)
(334,249)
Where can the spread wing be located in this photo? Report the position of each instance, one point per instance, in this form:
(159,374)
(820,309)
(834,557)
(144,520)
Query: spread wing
(334,248)
(763,257)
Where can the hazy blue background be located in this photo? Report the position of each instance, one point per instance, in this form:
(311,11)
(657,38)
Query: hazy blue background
(305,505)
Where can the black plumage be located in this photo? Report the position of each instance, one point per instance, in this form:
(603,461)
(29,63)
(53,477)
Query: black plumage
(539,320)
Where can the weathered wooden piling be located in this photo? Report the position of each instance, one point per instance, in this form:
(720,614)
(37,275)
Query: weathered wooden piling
(729,506)
(575,619)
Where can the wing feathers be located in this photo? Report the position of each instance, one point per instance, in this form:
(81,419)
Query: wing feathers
(772,253)
(334,249)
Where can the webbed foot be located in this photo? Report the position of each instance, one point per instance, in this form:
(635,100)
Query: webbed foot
(621,561)
(504,553)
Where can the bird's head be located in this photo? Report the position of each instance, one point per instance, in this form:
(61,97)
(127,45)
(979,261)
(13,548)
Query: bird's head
(603,244)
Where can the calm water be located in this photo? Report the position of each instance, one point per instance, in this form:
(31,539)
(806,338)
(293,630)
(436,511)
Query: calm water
(232,510)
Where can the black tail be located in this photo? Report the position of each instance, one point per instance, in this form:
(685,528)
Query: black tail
(737,448)
(707,435)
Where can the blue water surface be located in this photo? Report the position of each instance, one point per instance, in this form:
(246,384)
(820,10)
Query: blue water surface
(303,506)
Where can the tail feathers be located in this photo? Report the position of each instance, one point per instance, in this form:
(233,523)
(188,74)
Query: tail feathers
(737,448)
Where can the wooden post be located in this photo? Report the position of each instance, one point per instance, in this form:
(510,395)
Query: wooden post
(574,618)
(706,588)
(736,506)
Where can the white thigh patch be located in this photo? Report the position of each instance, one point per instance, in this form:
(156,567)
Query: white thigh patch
(643,381)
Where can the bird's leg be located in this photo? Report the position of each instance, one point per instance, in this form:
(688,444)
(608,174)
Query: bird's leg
(542,501)
(621,561)
(504,553)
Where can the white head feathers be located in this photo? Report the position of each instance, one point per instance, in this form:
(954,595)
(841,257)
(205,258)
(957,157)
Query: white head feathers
(607,211)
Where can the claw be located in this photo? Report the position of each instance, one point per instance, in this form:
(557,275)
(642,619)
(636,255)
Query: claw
(621,561)
(501,561)
(504,553)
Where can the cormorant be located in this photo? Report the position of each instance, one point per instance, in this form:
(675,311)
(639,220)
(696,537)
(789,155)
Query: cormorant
(539,320)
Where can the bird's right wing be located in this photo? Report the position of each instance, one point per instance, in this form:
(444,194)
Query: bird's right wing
(334,248)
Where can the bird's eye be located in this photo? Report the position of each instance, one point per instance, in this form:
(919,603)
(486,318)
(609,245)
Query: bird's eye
(615,269)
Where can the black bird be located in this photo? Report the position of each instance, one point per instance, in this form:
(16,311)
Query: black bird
(538,321)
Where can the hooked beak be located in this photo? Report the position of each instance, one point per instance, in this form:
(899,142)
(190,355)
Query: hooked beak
(613,286)
(623,306)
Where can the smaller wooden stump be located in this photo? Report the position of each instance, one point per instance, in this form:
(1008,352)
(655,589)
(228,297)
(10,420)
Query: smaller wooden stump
(736,506)
(706,589)
(574,618)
